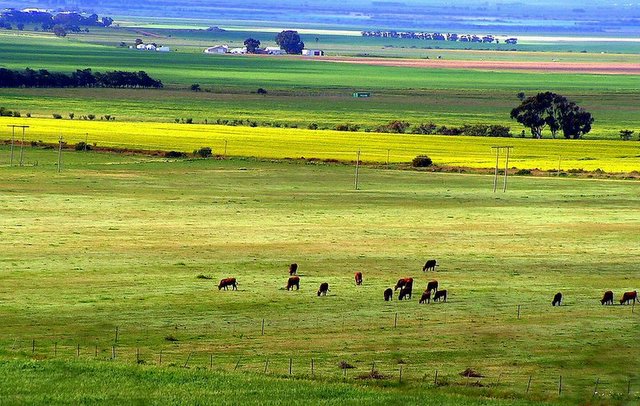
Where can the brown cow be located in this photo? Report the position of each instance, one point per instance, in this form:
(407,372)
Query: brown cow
(228,282)
(405,291)
(358,278)
(388,294)
(432,285)
(430,265)
(557,299)
(440,294)
(324,287)
(426,297)
(607,298)
(629,297)
(293,269)
(403,282)
(293,281)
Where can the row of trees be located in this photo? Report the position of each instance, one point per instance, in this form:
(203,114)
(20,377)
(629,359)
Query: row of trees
(48,20)
(79,78)
(555,112)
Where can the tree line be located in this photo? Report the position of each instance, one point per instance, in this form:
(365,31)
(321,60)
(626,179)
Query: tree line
(79,78)
(47,20)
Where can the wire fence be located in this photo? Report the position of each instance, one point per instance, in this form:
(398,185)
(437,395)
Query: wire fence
(331,368)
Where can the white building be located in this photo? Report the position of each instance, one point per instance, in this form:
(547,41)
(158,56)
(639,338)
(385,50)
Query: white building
(312,52)
(238,51)
(163,49)
(274,51)
(141,47)
(218,49)
(150,47)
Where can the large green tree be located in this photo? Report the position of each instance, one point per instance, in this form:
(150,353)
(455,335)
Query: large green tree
(252,45)
(290,41)
(556,112)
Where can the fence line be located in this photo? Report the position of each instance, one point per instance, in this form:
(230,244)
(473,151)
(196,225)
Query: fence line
(331,369)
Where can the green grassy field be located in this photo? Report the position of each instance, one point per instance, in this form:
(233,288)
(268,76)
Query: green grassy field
(302,92)
(119,241)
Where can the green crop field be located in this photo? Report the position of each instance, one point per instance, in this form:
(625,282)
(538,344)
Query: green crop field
(302,92)
(116,243)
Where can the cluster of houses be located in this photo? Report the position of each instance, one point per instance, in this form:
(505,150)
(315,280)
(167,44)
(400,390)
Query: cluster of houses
(436,36)
(150,47)
(225,49)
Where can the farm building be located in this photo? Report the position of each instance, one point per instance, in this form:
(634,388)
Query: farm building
(218,49)
(238,51)
(275,51)
(312,52)
(150,47)
(163,49)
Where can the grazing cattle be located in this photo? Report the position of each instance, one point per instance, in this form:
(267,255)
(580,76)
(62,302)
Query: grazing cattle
(432,285)
(426,297)
(430,265)
(557,299)
(228,282)
(629,297)
(440,294)
(405,292)
(388,294)
(293,269)
(607,298)
(293,281)
(403,282)
(324,287)
(358,278)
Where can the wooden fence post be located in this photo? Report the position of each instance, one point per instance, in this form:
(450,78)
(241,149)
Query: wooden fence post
(312,372)
(560,386)
(529,384)
(262,326)
(435,381)
(210,361)
(395,321)
(113,352)
(137,355)
(400,373)
(188,358)
(266,365)
(33,346)
(160,360)
(78,351)
(237,364)
(55,349)
(518,312)
(290,365)
(116,334)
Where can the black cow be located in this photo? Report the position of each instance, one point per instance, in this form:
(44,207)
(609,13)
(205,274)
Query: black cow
(405,292)
(293,269)
(432,286)
(629,297)
(430,265)
(557,299)
(388,294)
(426,297)
(292,282)
(324,287)
(607,298)
(440,294)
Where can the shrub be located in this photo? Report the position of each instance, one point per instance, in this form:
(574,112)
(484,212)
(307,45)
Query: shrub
(57,116)
(421,161)
(174,154)
(91,117)
(426,129)
(396,126)
(188,121)
(71,116)
(82,146)
(16,114)
(312,126)
(262,91)
(523,172)
(347,127)
(444,130)
(204,152)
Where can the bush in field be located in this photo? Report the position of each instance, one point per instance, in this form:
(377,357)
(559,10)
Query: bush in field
(421,161)
(91,117)
(429,128)
(347,127)
(174,154)
(396,126)
(57,116)
(204,152)
(82,146)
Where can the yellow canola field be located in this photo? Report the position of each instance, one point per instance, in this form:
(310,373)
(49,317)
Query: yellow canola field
(475,152)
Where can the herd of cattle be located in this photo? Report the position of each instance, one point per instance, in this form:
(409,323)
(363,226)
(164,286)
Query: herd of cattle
(406,288)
